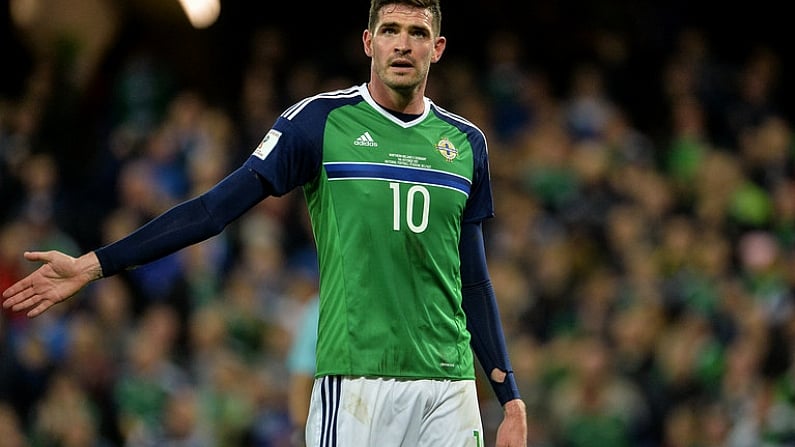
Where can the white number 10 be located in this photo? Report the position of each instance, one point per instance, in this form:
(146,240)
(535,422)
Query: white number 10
(413,192)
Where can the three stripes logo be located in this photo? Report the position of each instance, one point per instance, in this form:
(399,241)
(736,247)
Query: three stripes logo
(365,140)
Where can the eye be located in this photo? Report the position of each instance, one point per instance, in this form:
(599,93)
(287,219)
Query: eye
(420,33)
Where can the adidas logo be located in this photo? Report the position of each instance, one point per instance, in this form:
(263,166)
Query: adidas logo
(365,140)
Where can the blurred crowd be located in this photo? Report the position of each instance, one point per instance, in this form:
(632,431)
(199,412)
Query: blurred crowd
(646,275)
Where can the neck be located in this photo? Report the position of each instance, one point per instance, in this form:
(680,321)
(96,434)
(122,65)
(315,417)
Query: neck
(409,101)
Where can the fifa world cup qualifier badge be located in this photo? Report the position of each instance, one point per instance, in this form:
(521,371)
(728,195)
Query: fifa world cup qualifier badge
(447,149)
(267,144)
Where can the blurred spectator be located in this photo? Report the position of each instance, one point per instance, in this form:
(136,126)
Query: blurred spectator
(588,108)
(766,152)
(110,305)
(229,399)
(507,82)
(688,144)
(754,95)
(592,405)
(66,416)
(762,270)
(627,143)
(681,427)
(11,428)
(146,379)
(783,224)
(181,424)
(93,368)
(693,71)
(41,205)
(301,365)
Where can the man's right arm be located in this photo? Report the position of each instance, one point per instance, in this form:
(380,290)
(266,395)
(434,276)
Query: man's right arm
(61,276)
(188,223)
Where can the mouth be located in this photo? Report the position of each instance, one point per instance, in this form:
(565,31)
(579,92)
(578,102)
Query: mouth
(402,64)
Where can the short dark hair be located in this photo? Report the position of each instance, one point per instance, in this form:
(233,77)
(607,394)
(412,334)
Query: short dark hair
(431,5)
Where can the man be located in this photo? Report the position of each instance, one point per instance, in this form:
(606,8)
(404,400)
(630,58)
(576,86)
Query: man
(397,189)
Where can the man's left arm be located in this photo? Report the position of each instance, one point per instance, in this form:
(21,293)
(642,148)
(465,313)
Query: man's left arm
(488,339)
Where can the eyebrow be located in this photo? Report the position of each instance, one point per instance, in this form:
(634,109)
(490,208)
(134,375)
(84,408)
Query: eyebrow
(410,26)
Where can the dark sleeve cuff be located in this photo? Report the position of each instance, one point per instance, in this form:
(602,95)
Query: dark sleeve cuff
(507,390)
(108,268)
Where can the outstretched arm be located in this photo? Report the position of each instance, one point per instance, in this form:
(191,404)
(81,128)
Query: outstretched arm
(488,340)
(190,222)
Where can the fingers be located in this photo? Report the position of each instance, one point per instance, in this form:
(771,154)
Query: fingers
(43,256)
(26,282)
(38,310)
(26,298)
(17,288)
(19,297)
(33,293)
(40,306)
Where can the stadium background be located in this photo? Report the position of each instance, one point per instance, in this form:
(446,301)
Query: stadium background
(644,250)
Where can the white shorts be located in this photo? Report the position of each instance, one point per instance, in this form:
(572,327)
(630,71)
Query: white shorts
(359,412)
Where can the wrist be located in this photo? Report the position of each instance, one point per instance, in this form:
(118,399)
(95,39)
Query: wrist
(89,266)
(514,407)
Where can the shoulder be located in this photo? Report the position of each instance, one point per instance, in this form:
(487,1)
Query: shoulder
(458,121)
(323,103)
(474,134)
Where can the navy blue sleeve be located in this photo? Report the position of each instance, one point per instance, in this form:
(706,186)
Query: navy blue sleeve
(483,317)
(290,154)
(187,223)
(480,204)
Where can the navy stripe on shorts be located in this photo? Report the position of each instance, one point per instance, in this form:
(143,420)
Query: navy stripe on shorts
(330,389)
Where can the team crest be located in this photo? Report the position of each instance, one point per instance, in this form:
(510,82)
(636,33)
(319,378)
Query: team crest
(446,148)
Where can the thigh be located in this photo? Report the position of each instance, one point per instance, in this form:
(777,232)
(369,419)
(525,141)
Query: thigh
(393,413)
(455,419)
(363,412)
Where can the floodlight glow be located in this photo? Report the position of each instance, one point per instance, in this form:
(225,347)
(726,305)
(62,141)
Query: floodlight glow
(24,12)
(201,13)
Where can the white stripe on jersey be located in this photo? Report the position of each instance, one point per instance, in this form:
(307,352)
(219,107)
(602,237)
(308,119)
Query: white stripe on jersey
(463,120)
(296,108)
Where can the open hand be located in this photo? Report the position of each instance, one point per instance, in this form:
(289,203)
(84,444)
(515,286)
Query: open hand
(60,277)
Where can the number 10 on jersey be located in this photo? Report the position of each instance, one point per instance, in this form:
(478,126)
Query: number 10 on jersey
(416,224)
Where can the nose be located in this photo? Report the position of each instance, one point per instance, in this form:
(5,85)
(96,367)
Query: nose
(402,44)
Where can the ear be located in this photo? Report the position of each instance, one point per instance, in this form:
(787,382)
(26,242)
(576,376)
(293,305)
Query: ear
(367,41)
(438,48)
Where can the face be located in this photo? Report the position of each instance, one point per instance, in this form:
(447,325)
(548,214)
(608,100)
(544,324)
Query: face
(402,47)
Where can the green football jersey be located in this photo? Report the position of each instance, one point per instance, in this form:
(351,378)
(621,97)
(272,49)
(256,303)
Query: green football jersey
(387,197)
